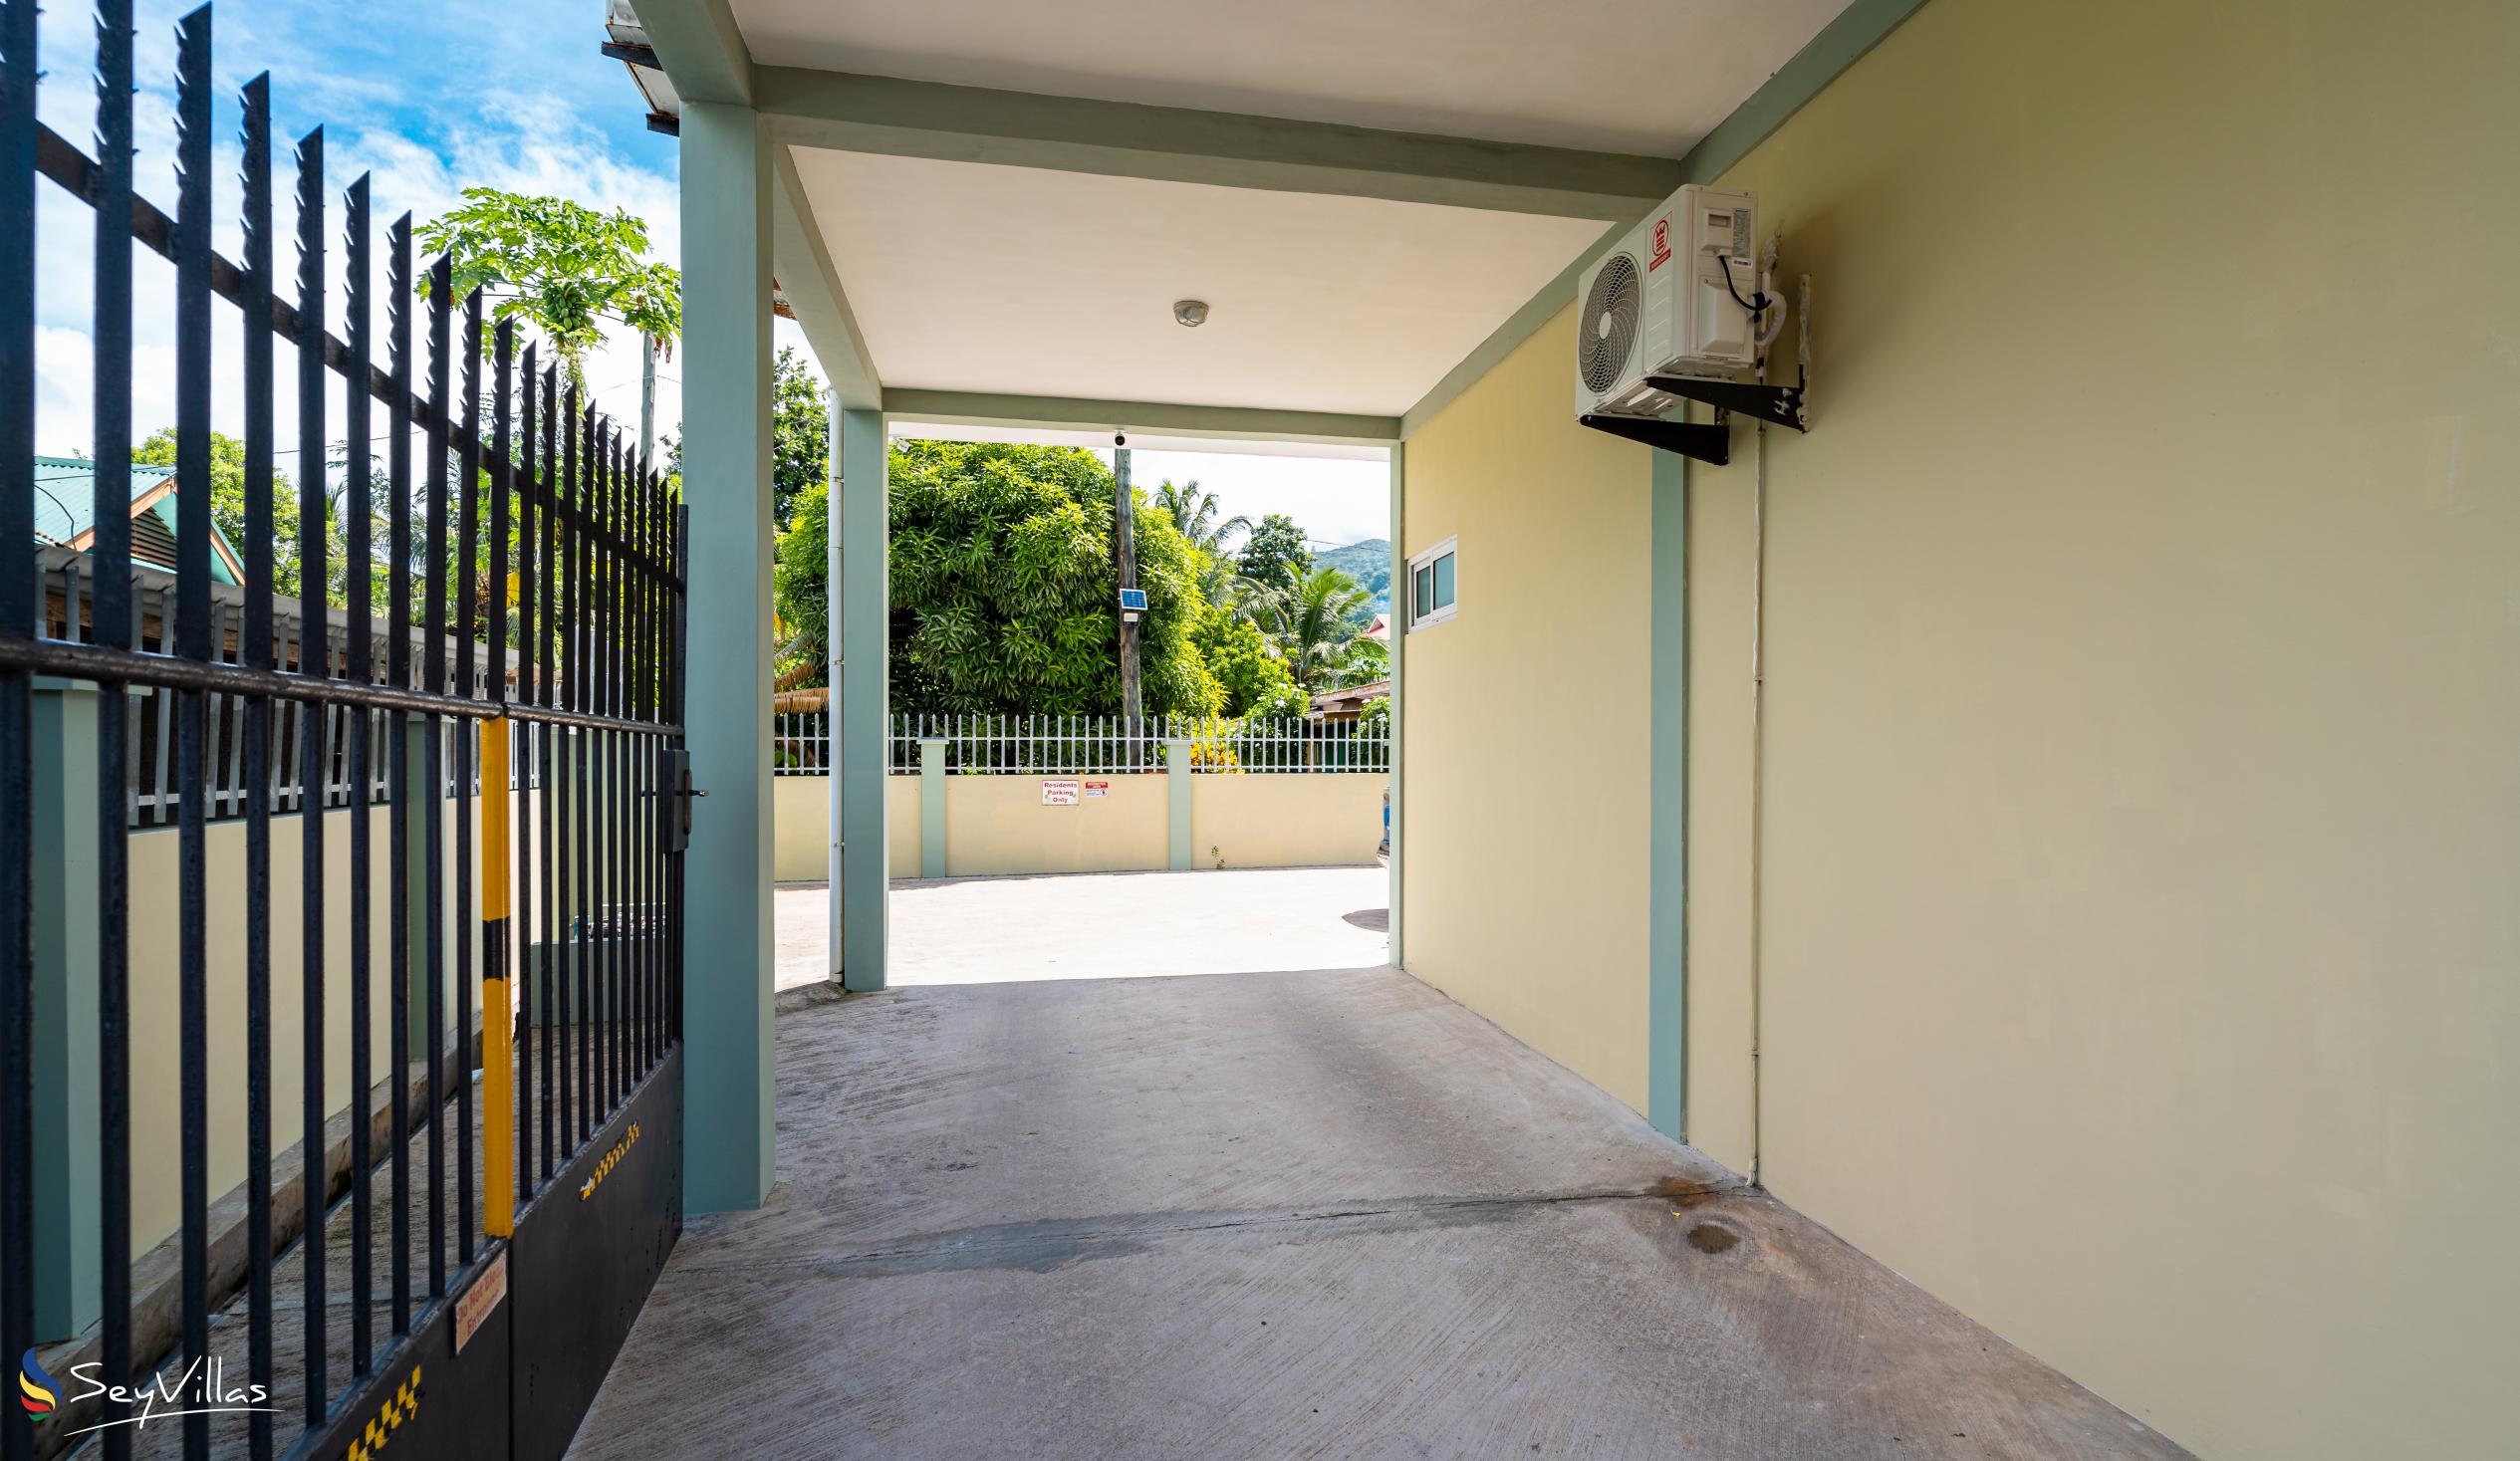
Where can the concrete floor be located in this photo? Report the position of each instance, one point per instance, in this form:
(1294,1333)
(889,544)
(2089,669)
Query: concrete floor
(1268,1215)
(1111,925)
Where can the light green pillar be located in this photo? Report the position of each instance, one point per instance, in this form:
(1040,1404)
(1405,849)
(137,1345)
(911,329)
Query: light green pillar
(834,574)
(1666,842)
(67,1231)
(1399,653)
(1176,770)
(727,1155)
(931,807)
(866,602)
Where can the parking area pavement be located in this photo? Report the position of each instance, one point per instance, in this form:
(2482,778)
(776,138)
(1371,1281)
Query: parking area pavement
(1107,925)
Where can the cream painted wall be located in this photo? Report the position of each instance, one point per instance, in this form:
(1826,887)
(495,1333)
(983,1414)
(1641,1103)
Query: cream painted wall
(2142,806)
(902,829)
(1717,985)
(800,828)
(1329,819)
(997,825)
(156,1161)
(1525,887)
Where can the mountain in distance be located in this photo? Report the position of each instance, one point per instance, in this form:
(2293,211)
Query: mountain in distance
(1369,563)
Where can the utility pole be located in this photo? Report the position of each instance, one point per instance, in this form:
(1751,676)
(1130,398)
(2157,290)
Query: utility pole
(1124,554)
(646,397)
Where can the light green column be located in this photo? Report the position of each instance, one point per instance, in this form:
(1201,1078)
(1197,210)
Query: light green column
(66,1232)
(1176,770)
(931,807)
(1666,842)
(728,1156)
(866,601)
(1399,653)
(834,574)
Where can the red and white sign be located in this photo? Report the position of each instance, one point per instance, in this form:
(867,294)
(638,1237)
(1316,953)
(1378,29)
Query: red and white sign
(1661,243)
(1098,789)
(1059,791)
(474,1304)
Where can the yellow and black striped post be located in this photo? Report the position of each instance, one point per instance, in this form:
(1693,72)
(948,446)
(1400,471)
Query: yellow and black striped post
(498,1025)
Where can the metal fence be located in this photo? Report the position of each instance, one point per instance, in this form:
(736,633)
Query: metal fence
(509,513)
(1084,745)
(150,794)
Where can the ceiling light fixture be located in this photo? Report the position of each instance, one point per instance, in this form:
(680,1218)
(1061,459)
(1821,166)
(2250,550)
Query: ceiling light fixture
(1192,313)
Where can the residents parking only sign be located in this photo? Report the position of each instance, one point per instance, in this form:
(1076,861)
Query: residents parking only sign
(1059,791)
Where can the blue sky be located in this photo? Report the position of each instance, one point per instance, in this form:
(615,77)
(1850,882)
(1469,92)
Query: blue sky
(430,99)
(424,99)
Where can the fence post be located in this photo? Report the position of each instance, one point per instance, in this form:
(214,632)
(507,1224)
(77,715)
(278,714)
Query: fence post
(1176,767)
(68,1274)
(427,798)
(931,807)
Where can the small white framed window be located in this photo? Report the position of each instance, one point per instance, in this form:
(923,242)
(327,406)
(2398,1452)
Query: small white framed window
(1434,585)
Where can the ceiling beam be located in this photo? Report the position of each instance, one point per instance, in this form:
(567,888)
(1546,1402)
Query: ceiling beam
(702,48)
(812,286)
(1169,418)
(909,119)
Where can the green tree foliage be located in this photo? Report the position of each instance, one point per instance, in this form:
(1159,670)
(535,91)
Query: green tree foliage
(1313,623)
(1274,557)
(1364,661)
(1246,665)
(562,267)
(1369,562)
(1004,596)
(227,509)
(227,500)
(800,591)
(1195,513)
(800,436)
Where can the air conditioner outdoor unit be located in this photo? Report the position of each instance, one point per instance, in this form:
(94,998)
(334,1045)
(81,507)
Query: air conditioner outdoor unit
(1670,297)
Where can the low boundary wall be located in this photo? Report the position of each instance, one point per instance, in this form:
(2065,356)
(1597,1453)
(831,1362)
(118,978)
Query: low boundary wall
(949,826)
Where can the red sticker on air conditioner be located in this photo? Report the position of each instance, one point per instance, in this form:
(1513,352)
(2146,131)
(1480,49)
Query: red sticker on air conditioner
(1661,244)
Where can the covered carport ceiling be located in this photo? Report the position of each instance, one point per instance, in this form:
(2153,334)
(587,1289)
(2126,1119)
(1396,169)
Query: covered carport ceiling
(1002,200)
(972,277)
(1612,75)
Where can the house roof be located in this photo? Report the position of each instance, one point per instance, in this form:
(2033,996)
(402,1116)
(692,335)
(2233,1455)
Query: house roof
(64,513)
(1352,697)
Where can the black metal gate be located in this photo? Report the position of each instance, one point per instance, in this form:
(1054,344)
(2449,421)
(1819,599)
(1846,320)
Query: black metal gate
(491,652)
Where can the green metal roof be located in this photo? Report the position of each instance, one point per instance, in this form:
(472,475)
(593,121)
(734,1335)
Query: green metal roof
(66,503)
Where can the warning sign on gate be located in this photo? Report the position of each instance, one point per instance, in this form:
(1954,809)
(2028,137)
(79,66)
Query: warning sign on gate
(1059,791)
(474,1304)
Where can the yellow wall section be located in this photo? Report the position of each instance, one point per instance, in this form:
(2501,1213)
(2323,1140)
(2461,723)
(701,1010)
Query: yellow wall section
(156,1164)
(2142,811)
(800,828)
(1525,884)
(997,825)
(1333,818)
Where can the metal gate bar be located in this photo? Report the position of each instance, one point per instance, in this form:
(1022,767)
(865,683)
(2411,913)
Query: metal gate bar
(564,695)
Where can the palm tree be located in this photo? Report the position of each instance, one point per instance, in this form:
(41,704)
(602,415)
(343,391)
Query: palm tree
(1313,623)
(1195,513)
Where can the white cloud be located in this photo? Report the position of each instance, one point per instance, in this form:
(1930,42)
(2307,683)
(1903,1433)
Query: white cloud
(1335,500)
(389,117)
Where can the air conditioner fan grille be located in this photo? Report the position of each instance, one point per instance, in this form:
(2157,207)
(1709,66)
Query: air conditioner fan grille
(1606,333)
